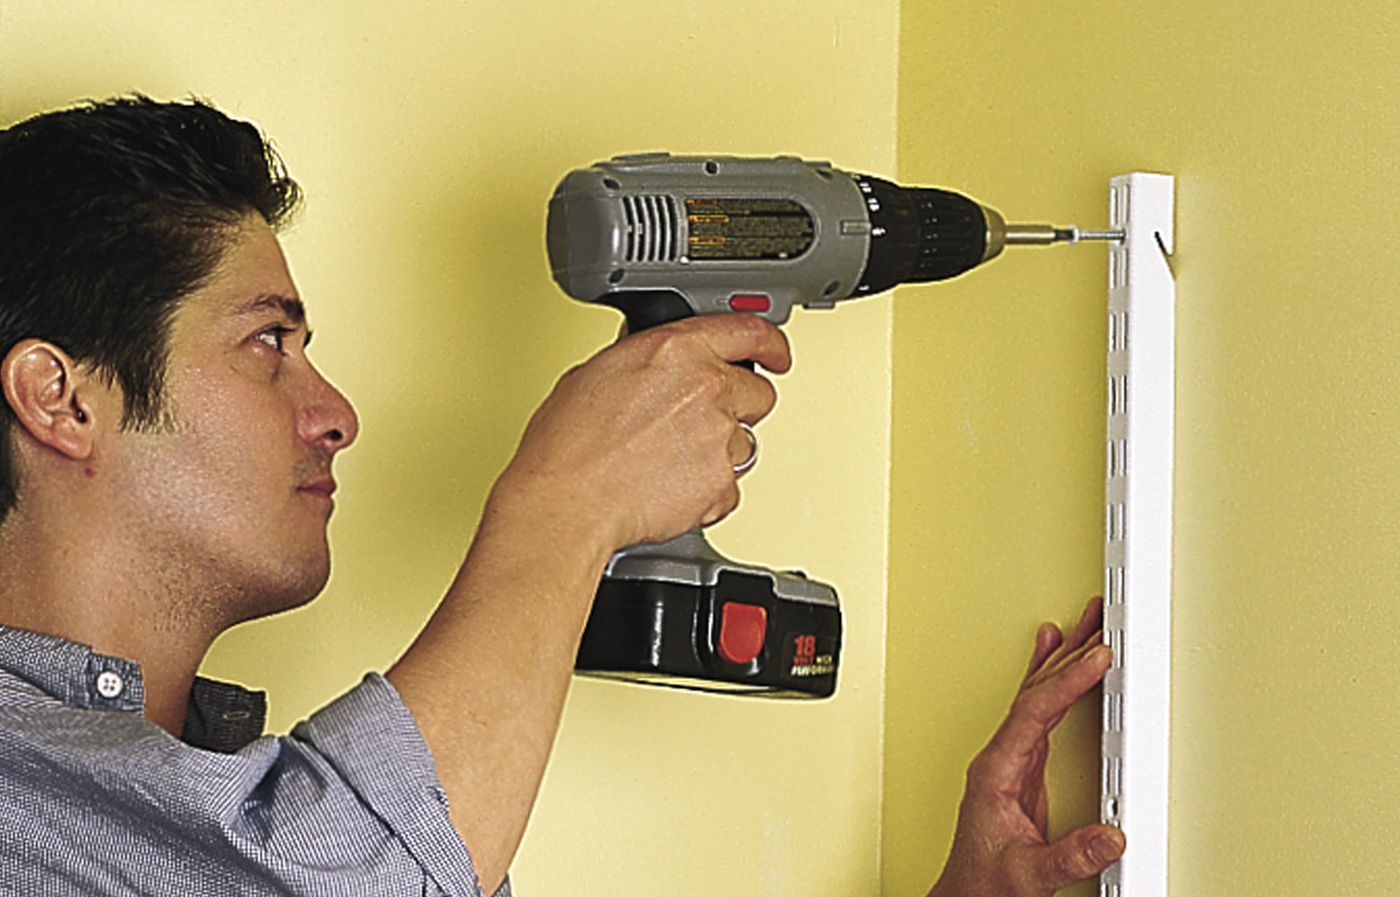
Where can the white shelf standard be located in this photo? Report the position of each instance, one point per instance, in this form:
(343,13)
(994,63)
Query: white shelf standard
(1138,531)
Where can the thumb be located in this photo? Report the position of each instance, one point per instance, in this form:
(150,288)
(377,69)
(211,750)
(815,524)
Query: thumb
(1081,854)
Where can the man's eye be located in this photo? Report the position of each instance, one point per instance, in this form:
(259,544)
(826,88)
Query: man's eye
(274,338)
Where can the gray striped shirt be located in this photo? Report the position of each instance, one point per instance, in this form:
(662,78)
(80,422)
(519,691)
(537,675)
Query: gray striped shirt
(97,800)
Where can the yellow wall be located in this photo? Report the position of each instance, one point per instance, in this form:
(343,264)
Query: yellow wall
(428,142)
(1280,122)
(428,137)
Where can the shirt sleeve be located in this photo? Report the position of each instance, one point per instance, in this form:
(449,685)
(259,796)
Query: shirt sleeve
(369,736)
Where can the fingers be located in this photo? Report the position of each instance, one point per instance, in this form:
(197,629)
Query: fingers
(718,343)
(1061,658)
(1040,706)
(1089,622)
(750,397)
(1047,639)
(737,338)
(702,352)
(1067,682)
(741,338)
(655,419)
(1081,854)
(750,338)
(723,507)
(1080,655)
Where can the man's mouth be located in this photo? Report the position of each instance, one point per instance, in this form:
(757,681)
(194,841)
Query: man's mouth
(322,487)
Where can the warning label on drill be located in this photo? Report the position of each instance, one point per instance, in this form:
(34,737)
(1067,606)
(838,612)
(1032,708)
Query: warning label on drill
(809,656)
(736,229)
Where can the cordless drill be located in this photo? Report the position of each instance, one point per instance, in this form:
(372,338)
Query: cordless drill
(663,237)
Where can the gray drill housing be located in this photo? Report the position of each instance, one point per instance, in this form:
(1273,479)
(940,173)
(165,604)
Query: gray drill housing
(621,226)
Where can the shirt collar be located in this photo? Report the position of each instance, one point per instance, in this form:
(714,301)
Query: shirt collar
(221,716)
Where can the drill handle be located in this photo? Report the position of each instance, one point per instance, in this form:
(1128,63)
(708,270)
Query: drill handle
(645,309)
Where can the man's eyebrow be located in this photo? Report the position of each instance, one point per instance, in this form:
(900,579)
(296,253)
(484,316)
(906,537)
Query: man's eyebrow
(289,306)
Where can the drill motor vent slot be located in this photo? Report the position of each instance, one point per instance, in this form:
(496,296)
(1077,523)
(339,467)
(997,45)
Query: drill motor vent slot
(653,228)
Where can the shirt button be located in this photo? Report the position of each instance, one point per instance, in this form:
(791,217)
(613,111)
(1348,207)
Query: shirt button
(109,684)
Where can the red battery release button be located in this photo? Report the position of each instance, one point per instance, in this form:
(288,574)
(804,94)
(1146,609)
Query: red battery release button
(755,302)
(742,629)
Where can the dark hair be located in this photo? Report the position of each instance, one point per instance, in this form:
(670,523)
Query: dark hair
(111,213)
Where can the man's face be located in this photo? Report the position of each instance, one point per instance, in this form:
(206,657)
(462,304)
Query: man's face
(233,497)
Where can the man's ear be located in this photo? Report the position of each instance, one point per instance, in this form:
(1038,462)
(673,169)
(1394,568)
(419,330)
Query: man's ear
(40,383)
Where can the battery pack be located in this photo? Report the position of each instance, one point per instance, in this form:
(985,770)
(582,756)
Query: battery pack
(740,635)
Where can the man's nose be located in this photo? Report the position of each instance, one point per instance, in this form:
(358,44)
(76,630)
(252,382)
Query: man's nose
(327,420)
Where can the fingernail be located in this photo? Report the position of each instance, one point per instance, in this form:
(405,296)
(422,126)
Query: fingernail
(1105,849)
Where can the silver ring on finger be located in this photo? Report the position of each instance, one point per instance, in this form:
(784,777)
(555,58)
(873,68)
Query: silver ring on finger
(752,459)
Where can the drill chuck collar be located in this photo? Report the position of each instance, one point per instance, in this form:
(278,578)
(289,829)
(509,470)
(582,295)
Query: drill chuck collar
(662,238)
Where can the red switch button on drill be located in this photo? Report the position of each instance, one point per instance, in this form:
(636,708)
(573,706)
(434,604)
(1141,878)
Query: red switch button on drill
(742,628)
(753,302)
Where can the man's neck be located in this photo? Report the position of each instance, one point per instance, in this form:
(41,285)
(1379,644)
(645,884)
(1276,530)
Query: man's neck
(90,588)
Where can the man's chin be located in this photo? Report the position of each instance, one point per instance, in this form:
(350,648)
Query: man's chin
(304,589)
(293,587)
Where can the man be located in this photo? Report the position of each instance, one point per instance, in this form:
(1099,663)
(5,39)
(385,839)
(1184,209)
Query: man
(165,473)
